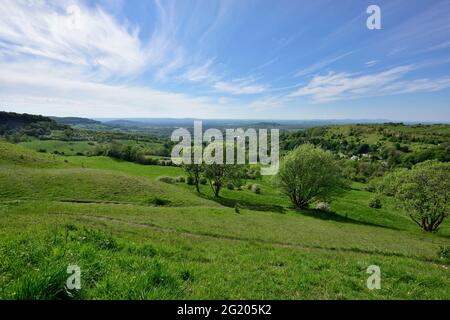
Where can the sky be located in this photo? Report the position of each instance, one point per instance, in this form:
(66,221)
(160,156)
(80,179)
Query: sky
(257,59)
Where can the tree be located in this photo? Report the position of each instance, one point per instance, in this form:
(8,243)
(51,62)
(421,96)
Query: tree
(218,175)
(309,174)
(195,172)
(423,191)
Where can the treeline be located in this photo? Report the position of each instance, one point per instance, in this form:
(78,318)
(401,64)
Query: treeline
(377,147)
(131,153)
(14,125)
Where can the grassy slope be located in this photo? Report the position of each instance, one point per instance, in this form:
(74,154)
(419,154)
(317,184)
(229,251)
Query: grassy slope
(69,148)
(144,252)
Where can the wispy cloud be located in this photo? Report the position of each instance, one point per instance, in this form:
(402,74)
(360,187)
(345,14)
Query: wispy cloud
(200,73)
(70,34)
(371,63)
(345,86)
(240,87)
(336,86)
(321,64)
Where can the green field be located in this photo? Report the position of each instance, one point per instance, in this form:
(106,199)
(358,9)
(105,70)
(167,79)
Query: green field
(65,147)
(101,215)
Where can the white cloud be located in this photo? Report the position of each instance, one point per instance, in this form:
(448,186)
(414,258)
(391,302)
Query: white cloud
(321,64)
(240,87)
(200,73)
(371,63)
(336,86)
(343,86)
(43,89)
(70,33)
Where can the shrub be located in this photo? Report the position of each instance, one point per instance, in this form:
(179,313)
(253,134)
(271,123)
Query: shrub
(166,179)
(375,203)
(190,180)
(181,179)
(157,201)
(309,174)
(256,188)
(203,181)
(230,186)
(43,150)
(444,253)
(323,206)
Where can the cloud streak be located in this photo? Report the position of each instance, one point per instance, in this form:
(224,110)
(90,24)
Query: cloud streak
(240,87)
(70,34)
(346,86)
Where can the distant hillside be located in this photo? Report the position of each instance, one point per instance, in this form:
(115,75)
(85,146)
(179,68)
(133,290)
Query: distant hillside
(11,121)
(75,121)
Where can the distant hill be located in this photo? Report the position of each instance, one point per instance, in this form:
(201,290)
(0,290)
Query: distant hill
(11,121)
(229,123)
(74,121)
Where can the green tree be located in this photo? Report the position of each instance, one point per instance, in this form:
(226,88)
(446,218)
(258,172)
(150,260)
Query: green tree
(194,171)
(309,174)
(423,191)
(218,175)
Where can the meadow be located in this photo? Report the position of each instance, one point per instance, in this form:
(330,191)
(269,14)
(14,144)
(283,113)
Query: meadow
(137,238)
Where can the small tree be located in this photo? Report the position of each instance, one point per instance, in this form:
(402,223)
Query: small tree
(219,175)
(193,170)
(309,174)
(424,192)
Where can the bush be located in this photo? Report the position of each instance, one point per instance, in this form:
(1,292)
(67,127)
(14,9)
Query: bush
(323,206)
(309,174)
(190,181)
(375,203)
(230,186)
(157,201)
(444,253)
(203,181)
(166,179)
(181,179)
(256,188)
(43,150)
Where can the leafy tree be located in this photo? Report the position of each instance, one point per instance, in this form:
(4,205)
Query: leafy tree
(219,175)
(194,170)
(423,191)
(309,174)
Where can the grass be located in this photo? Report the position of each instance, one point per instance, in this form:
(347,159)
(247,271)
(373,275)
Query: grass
(135,238)
(69,148)
(105,163)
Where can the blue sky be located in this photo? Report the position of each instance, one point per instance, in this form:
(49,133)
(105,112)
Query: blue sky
(279,59)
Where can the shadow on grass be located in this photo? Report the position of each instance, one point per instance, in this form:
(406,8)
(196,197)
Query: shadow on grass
(332,216)
(244,204)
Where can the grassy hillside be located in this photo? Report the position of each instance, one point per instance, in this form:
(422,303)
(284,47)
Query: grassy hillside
(11,154)
(99,213)
(58,146)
